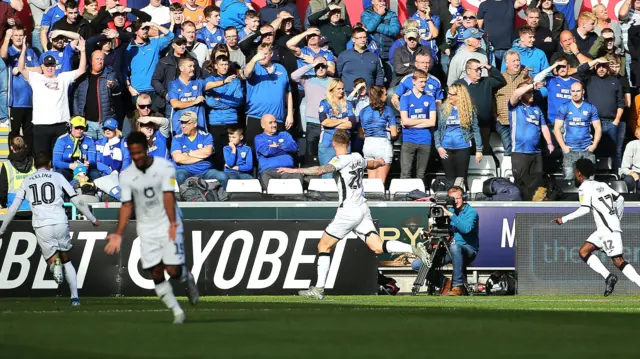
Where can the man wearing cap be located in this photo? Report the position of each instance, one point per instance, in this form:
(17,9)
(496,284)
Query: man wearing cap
(471,50)
(307,54)
(92,96)
(191,150)
(110,149)
(73,149)
(62,50)
(167,71)
(404,57)
(50,97)
(142,55)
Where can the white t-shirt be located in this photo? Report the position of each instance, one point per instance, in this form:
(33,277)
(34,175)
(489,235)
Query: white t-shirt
(160,15)
(606,205)
(350,170)
(45,192)
(146,189)
(51,97)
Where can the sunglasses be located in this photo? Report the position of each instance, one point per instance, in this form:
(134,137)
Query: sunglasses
(144,106)
(321,66)
(79,128)
(468,18)
(452,94)
(185,122)
(267,34)
(411,39)
(561,66)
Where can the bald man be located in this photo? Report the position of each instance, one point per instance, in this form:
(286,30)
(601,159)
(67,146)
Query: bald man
(274,149)
(569,49)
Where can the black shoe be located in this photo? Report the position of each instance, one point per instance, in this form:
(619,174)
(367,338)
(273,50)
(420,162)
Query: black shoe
(611,281)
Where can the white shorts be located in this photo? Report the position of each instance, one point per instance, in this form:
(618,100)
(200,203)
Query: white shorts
(357,220)
(53,238)
(156,250)
(378,147)
(608,242)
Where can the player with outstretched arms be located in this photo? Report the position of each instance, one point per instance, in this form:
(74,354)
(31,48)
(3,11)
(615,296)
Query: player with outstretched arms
(353,213)
(150,184)
(607,207)
(45,191)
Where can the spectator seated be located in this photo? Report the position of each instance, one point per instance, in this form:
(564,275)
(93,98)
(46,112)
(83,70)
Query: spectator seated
(238,157)
(73,149)
(191,151)
(274,149)
(110,149)
(400,187)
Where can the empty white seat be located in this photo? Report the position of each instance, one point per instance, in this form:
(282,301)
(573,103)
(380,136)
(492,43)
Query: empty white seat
(373,186)
(476,183)
(506,167)
(284,186)
(243,186)
(486,167)
(405,185)
(323,185)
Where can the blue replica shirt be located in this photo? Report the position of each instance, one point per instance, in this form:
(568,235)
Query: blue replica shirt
(20,93)
(433,88)
(187,92)
(243,158)
(142,60)
(242,33)
(327,54)
(453,138)
(223,102)
(567,7)
(275,151)
(64,59)
(266,92)
(325,112)
(418,108)
(51,16)
(375,124)
(211,39)
(558,94)
(577,124)
(110,155)
(423,30)
(184,144)
(525,122)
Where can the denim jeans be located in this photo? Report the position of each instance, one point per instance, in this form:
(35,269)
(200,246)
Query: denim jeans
(460,255)
(4,92)
(325,154)
(632,185)
(505,136)
(569,160)
(498,55)
(94,130)
(238,175)
(444,62)
(182,175)
(608,145)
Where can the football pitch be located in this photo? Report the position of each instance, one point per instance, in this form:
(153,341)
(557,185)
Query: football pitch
(337,327)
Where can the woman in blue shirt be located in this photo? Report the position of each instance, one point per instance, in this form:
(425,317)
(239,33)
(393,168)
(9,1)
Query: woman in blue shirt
(378,124)
(335,112)
(457,126)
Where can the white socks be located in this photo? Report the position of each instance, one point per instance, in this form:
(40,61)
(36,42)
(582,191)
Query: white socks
(595,264)
(631,273)
(324,260)
(165,292)
(396,247)
(72,278)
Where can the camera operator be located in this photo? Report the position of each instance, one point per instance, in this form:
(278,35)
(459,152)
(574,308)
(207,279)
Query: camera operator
(463,248)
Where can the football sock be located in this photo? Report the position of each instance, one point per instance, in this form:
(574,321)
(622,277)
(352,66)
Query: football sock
(396,247)
(72,278)
(324,260)
(595,264)
(165,292)
(631,273)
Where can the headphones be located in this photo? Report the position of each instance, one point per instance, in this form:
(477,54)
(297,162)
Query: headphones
(461,190)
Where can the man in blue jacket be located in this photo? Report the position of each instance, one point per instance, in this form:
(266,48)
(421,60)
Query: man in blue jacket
(73,149)
(531,57)
(383,24)
(274,149)
(464,223)
(232,13)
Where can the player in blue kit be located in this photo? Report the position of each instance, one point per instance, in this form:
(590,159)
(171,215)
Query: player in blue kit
(418,115)
(212,34)
(576,118)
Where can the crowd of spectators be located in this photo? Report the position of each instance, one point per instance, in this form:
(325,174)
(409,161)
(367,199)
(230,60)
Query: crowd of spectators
(228,90)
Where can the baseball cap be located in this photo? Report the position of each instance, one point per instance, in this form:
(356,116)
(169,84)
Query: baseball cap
(411,32)
(323,41)
(80,168)
(180,40)
(189,116)
(49,61)
(110,124)
(472,33)
(78,121)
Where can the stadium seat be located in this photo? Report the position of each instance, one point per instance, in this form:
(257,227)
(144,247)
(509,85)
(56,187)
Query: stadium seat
(603,165)
(487,167)
(290,186)
(506,167)
(323,189)
(399,187)
(476,183)
(567,186)
(618,186)
(496,143)
(373,188)
(244,190)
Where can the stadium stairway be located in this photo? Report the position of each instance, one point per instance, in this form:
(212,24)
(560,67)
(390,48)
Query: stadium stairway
(4,144)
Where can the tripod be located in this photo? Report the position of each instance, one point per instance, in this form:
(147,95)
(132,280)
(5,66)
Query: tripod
(438,244)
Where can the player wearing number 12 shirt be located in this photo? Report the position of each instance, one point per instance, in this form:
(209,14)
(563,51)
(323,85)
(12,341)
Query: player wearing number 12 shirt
(353,213)
(150,184)
(607,207)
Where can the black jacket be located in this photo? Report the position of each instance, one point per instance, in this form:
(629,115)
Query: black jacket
(281,55)
(337,35)
(402,56)
(559,20)
(167,71)
(482,95)
(549,47)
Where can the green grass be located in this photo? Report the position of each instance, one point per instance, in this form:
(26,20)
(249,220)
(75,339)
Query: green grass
(338,327)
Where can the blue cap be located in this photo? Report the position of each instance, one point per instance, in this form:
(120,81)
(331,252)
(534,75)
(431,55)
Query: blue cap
(80,168)
(110,123)
(472,32)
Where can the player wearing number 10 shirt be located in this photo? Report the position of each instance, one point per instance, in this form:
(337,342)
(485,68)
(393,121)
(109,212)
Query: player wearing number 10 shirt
(607,207)
(150,183)
(353,213)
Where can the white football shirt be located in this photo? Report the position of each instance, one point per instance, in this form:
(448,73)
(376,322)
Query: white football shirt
(146,190)
(45,192)
(606,204)
(350,172)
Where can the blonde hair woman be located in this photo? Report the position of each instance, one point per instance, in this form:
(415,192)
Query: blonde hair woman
(457,126)
(334,113)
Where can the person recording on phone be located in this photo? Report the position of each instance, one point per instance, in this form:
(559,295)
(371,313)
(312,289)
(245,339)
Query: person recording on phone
(463,248)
